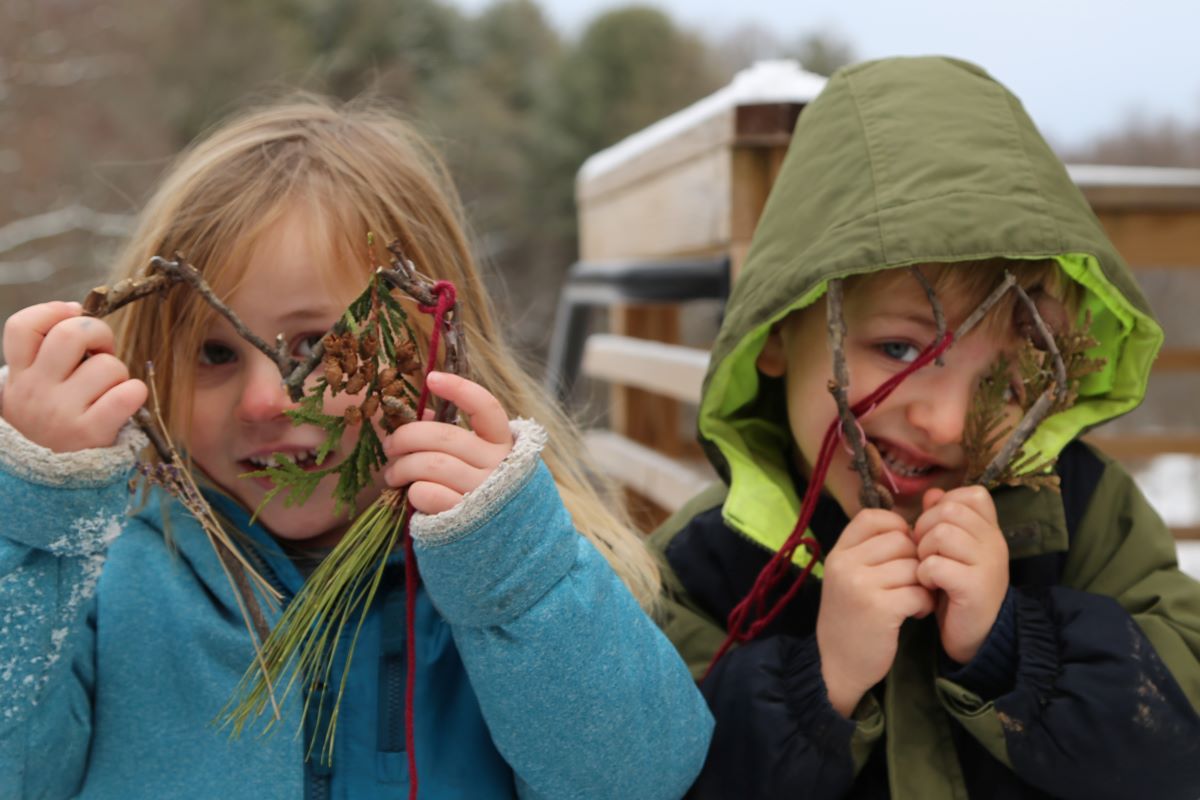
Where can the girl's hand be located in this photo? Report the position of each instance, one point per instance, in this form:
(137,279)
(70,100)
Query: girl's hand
(440,462)
(66,390)
(870,588)
(964,555)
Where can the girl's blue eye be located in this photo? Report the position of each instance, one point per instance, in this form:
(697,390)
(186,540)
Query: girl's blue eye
(305,346)
(900,351)
(214,354)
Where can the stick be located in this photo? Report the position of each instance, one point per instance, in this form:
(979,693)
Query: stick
(835,321)
(1060,367)
(939,318)
(404,276)
(983,308)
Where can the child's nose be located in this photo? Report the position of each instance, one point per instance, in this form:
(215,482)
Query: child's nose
(940,412)
(264,397)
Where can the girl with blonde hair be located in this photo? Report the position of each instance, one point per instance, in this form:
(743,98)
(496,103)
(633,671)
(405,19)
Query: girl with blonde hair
(538,673)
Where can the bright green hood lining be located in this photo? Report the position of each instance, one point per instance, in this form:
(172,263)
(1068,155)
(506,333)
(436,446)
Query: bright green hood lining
(762,501)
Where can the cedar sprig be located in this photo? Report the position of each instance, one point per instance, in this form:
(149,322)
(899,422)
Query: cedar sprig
(372,350)
(1042,381)
(986,423)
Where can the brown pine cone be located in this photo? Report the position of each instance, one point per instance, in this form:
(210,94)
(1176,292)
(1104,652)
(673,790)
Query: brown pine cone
(333,376)
(407,361)
(370,406)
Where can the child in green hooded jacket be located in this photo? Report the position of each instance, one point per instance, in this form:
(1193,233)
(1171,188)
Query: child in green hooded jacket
(1022,641)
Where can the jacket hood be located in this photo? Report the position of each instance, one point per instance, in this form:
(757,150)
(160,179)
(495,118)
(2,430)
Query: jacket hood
(898,162)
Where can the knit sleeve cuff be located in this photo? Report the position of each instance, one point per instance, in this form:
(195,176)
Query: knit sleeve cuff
(94,467)
(505,546)
(482,503)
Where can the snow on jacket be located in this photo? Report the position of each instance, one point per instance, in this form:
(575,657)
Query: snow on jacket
(538,675)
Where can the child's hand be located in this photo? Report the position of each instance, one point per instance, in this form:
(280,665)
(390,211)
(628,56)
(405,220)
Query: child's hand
(964,555)
(440,462)
(870,588)
(66,390)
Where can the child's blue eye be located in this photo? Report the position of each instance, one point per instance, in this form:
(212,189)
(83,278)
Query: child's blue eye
(305,346)
(213,354)
(900,351)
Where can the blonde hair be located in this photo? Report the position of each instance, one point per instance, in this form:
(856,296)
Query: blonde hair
(967,283)
(362,169)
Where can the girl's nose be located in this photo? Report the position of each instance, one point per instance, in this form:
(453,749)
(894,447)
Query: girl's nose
(264,397)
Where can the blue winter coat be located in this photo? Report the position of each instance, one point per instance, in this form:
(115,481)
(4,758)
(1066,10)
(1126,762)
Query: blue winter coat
(538,674)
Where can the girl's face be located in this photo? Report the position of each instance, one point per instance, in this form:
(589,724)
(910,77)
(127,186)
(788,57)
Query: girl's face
(238,418)
(918,429)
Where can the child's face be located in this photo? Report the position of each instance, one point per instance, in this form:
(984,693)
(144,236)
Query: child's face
(237,417)
(918,429)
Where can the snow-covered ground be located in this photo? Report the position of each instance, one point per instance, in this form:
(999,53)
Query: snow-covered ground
(1172,485)
(1189,558)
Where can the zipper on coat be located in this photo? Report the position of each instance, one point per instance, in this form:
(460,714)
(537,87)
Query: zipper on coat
(393,677)
(317,774)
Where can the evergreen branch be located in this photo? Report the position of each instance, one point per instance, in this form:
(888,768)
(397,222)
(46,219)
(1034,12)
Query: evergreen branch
(985,425)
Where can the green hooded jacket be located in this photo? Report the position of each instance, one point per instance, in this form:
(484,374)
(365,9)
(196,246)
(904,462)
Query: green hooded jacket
(909,161)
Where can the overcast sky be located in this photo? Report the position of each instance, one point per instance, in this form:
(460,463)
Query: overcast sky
(1081,67)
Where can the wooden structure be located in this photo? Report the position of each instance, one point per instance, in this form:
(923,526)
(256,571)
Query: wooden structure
(695,183)
(692,184)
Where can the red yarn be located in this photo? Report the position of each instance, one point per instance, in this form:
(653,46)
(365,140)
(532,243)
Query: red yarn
(410,640)
(747,619)
(446,298)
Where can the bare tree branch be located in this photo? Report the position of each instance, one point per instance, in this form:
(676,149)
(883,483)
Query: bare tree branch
(64,220)
(35,270)
(67,72)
